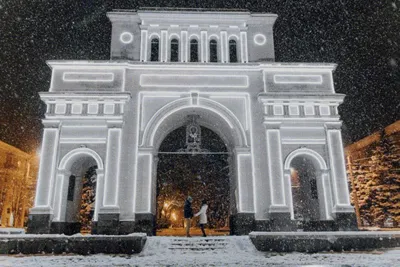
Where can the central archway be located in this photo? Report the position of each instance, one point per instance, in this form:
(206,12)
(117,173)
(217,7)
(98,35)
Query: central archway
(220,120)
(193,160)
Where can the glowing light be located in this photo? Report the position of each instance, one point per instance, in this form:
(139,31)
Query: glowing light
(260,39)
(126,37)
(173,216)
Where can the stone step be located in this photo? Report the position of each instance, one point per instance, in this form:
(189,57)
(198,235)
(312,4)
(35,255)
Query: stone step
(196,248)
(198,245)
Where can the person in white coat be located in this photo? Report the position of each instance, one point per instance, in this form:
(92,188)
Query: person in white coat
(203,216)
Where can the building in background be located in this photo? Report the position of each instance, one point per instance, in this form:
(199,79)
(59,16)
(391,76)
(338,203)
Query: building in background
(18,172)
(374,171)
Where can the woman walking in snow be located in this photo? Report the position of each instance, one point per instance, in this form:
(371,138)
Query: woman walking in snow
(203,216)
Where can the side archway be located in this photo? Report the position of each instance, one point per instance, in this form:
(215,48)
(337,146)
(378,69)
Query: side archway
(68,187)
(307,178)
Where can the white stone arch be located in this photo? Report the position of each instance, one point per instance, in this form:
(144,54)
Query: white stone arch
(154,35)
(306,152)
(213,37)
(62,176)
(70,157)
(223,122)
(323,183)
(174,36)
(240,137)
(194,36)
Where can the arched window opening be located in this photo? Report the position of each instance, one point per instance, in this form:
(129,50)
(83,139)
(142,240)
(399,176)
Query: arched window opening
(194,51)
(213,51)
(174,50)
(233,58)
(155,49)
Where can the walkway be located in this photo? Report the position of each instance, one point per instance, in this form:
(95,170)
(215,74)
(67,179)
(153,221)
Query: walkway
(210,251)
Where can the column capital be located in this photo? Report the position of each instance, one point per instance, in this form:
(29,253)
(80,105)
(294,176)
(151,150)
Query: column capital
(41,210)
(269,125)
(278,209)
(109,209)
(242,150)
(51,123)
(115,123)
(333,125)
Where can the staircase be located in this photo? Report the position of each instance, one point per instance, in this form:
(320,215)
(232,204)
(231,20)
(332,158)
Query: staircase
(198,245)
(232,245)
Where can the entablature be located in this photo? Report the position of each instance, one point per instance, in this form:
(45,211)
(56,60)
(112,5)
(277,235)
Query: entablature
(77,105)
(300,106)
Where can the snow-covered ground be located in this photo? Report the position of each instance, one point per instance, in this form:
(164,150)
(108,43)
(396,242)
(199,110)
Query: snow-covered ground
(11,231)
(238,252)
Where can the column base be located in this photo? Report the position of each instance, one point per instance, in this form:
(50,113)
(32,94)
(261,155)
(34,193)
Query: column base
(66,228)
(107,224)
(281,222)
(346,221)
(242,223)
(145,223)
(39,224)
(126,227)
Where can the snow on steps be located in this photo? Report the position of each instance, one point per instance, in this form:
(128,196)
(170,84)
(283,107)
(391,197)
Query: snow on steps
(199,245)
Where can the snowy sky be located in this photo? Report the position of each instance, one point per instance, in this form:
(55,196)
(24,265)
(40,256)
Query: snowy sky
(361,36)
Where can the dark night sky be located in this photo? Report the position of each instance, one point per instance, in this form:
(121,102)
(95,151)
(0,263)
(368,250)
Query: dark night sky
(361,36)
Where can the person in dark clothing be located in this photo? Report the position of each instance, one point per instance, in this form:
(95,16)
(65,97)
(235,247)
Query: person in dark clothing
(188,214)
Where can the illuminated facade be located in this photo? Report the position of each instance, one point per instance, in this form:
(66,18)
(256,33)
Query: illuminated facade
(166,65)
(18,171)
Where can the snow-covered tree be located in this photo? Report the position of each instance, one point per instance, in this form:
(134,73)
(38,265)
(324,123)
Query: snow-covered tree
(377,183)
(88,199)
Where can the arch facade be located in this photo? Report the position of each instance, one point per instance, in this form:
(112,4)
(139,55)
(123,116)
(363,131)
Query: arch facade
(267,113)
(75,163)
(324,187)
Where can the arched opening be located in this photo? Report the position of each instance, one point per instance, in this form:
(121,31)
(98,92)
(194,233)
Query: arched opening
(213,51)
(304,189)
(233,58)
(174,50)
(155,49)
(193,160)
(194,51)
(80,196)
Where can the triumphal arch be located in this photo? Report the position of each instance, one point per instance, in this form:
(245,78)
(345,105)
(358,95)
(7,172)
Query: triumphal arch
(279,122)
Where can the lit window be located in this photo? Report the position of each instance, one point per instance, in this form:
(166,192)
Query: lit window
(155,48)
(213,51)
(174,50)
(232,51)
(194,51)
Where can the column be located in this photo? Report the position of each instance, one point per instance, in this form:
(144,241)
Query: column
(112,166)
(243,47)
(341,198)
(143,46)
(108,213)
(223,45)
(184,46)
(47,167)
(164,46)
(245,181)
(145,191)
(144,177)
(275,168)
(61,190)
(41,215)
(204,46)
